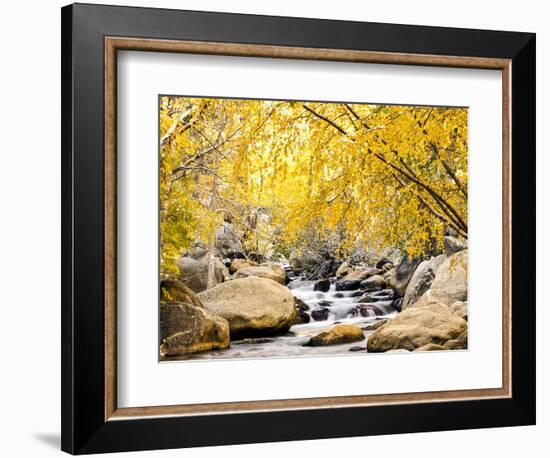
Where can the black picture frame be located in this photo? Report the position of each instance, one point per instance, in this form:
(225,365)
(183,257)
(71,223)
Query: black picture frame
(84,427)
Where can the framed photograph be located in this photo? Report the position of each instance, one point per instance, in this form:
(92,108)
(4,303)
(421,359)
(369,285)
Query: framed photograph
(281,229)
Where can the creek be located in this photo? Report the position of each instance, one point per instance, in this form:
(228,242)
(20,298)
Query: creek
(340,305)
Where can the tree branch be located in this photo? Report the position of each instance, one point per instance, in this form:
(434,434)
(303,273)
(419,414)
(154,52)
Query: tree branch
(182,117)
(442,203)
(448,169)
(320,116)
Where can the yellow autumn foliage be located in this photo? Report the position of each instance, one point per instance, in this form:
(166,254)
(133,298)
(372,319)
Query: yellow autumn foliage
(376,176)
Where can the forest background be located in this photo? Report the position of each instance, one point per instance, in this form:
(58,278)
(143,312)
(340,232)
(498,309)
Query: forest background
(324,181)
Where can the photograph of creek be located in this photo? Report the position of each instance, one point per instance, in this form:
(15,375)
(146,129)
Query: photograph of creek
(292,228)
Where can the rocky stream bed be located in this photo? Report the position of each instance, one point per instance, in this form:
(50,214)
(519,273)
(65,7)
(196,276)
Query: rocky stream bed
(269,310)
(338,307)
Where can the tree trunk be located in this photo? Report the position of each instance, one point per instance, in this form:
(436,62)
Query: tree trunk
(211,278)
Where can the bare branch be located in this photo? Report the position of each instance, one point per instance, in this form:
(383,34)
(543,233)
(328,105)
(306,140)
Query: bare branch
(336,126)
(181,118)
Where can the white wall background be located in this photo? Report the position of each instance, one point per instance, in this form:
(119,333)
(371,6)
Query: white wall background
(30,226)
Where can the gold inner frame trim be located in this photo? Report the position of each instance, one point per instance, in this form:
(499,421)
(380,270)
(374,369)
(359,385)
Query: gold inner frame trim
(114,44)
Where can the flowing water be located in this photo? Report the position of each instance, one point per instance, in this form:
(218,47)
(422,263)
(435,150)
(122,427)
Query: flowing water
(340,305)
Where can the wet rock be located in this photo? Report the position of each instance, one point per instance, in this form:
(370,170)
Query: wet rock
(186,329)
(339,295)
(345,285)
(374,283)
(357,348)
(376,296)
(354,280)
(337,335)
(322,285)
(398,304)
(253,306)
(300,304)
(301,317)
(373,309)
(320,314)
(325,303)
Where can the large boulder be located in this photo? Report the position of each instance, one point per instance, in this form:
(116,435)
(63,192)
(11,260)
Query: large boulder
(228,243)
(238,264)
(399,277)
(450,284)
(337,335)
(194,273)
(262,272)
(186,329)
(176,291)
(253,306)
(416,327)
(421,280)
